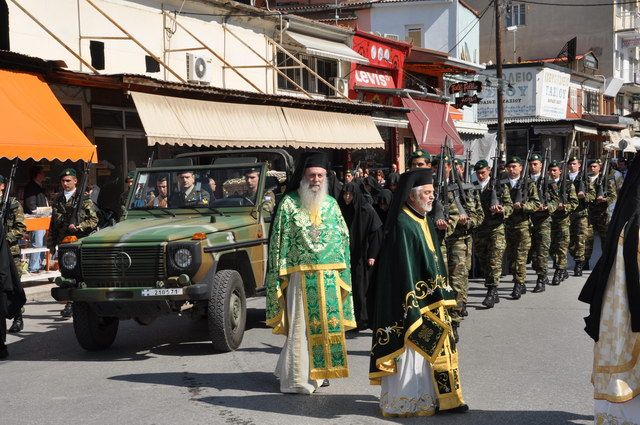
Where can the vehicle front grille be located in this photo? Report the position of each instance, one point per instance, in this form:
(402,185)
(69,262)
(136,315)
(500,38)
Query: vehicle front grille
(122,266)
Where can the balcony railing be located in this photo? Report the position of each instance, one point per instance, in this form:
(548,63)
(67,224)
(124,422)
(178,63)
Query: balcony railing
(628,20)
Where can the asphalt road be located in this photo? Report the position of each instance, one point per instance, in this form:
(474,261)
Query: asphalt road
(522,362)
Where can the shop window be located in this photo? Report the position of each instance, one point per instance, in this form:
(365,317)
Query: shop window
(97,54)
(517,142)
(4,26)
(414,36)
(516,14)
(327,69)
(591,102)
(115,119)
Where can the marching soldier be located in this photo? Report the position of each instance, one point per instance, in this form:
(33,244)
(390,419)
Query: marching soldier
(445,227)
(420,159)
(598,214)
(517,224)
(560,220)
(488,237)
(15,228)
(540,224)
(460,250)
(64,222)
(579,223)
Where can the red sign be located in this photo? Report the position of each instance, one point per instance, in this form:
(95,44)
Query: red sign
(468,86)
(370,77)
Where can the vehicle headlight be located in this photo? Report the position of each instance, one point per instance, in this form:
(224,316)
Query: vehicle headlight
(183,258)
(69,260)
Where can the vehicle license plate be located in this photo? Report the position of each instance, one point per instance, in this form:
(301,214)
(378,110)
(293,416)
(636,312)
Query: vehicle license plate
(159,292)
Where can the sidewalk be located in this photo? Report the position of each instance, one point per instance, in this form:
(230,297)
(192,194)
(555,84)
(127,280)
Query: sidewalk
(38,290)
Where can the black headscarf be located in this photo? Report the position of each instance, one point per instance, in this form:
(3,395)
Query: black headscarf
(625,218)
(385,196)
(408,180)
(351,211)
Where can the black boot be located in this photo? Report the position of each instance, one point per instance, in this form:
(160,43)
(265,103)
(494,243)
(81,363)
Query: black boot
(577,270)
(542,281)
(454,328)
(523,289)
(489,300)
(586,265)
(17,325)
(463,311)
(516,292)
(496,296)
(557,277)
(564,275)
(67,311)
(3,352)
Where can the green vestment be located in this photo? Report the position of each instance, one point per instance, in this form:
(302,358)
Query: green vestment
(412,297)
(318,248)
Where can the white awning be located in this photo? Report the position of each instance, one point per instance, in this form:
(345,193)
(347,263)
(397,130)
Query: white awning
(177,121)
(325,48)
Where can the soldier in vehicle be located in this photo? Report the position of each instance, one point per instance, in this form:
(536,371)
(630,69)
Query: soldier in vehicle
(252,179)
(189,194)
(160,197)
(15,228)
(63,222)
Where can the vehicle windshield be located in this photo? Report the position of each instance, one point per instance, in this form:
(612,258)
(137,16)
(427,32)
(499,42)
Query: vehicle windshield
(199,188)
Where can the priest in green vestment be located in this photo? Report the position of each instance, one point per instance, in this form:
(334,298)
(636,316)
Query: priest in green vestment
(309,281)
(413,353)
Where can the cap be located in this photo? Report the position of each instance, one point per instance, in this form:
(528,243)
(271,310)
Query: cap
(573,158)
(554,164)
(595,161)
(131,175)
(481,164)
(348,172)
(68,172)
(514,160)
(457,161)
(535,157)
(421,153)
(447,158)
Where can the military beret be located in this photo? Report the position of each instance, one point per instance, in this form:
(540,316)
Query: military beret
(421,153)
(595,161)
(131,175)
(514,160)
(447,158)
(2,179)
(535,157)
(348,172)
(68,172)
(481,164)
(457,161)
(252,170)
(573,158)
(554,164)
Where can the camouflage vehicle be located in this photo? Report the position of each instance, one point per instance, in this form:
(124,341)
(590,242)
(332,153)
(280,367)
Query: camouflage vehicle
(193,242)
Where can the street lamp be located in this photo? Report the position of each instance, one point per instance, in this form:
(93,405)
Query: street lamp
(514,30)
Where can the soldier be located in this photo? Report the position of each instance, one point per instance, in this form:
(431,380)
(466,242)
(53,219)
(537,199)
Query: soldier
(65,222)
(160,197)
(124,196)
(420,159)
(15,228)
(540,225)
(488,237)
(447,225)
(579,223)
(460,250)
(560,220)
(189,194)
(517,224)
(605,195)
(252,178)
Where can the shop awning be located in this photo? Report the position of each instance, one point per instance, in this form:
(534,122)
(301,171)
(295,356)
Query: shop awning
(431,124)
(325,48)
(178,121)
(35,125)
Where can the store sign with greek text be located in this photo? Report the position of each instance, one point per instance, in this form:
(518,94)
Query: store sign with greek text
(519,97)
(552,94)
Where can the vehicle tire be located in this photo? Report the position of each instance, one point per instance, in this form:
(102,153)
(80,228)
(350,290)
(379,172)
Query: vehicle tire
(93,332)
(227,310)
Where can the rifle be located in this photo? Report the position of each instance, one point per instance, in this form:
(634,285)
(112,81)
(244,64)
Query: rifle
(441,204)
(150,160)
(601,181)
(77,202)
(522,195)
(543,181)
(467,167)
(563,177)
(494,184)
(582,176)
(6,205)
(457,187)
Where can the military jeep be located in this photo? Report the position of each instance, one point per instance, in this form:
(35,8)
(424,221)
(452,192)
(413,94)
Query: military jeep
(193,242)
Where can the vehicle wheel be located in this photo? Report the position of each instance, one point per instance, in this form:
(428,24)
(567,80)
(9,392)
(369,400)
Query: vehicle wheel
(93,333)
(227,310)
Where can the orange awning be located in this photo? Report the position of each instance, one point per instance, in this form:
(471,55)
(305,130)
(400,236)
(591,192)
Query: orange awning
(35,125)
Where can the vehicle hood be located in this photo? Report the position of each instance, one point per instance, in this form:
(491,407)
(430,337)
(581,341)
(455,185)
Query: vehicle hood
(164,229)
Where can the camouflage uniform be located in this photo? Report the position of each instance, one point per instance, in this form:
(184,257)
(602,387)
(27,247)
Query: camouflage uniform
(62,216)
(460,250)
(579,227)
(15,230)
(560,223)
(195,198)
(541,234)
(268,201)
(519,238)
(598,215)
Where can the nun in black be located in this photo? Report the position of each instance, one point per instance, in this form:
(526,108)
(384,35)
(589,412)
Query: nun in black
(12,296)
(383,201)
(365,234)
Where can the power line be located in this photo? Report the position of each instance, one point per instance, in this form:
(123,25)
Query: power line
(541,3)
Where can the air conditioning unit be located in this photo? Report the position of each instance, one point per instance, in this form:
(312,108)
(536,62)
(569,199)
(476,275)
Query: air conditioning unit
(198,69)
(341,85)
(392,36)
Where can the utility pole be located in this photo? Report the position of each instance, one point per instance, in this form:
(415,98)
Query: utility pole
(502,145)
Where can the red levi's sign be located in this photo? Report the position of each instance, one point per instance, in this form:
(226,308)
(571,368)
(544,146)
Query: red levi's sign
(371,77)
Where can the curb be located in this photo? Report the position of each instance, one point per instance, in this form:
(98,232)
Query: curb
(40,292)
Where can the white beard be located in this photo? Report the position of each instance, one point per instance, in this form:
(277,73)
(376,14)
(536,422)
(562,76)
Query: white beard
(310,200)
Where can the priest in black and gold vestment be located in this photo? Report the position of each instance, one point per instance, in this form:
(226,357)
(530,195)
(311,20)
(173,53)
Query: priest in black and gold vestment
(413,354)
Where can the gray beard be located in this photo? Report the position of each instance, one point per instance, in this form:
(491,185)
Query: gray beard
(310,200)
